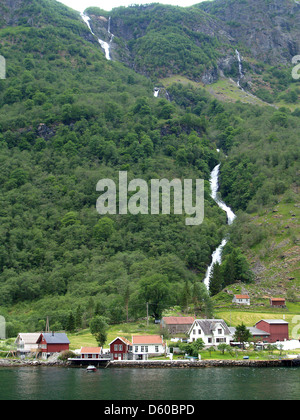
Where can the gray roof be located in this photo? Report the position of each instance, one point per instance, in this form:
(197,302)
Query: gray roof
(209,325)
(274,321)
(254,331)
(56,338)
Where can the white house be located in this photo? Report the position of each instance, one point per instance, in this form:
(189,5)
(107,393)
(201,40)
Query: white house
(241,299)
(27,343)
(147,345)
(212,331)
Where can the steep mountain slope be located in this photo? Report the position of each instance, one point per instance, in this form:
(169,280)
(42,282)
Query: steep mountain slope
(70,117)
(251,42)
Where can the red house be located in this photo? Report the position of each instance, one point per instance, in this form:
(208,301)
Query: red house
(120,348)
(277,328)
(49,343)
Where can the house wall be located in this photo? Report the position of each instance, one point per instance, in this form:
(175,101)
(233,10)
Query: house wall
(89,356)
(278,303)
(120,352)
(57,348)
(144,350)
(177,329)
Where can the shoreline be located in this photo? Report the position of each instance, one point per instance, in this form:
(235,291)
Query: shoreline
(159,364)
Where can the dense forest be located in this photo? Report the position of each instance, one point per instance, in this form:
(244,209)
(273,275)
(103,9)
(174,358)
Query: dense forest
(69,118)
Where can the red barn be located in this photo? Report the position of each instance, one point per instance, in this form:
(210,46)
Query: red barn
(277,328)
(120,348)
(50,343)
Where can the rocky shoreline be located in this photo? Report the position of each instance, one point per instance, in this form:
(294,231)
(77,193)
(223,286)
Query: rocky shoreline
(205,363)
(31,363)
(152,364)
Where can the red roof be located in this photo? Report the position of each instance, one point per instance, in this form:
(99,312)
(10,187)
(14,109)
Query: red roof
(242,296)
(147,339)
(90,350)
(179,320)
(277,299)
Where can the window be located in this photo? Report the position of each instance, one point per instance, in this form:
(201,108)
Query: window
(116,347)
(136,349)
(199,332)
(220,331)
(142,349)
(120,347)
(210,340)
(156,349)
(194,332)
(146,349)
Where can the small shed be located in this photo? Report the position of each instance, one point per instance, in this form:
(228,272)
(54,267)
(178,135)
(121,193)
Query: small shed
(277,302)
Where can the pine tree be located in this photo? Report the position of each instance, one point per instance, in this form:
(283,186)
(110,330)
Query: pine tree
(216,280)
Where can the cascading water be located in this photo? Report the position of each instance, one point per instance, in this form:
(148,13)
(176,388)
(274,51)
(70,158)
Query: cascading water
(217,255)
(241,74)
(104,45)
(156,92)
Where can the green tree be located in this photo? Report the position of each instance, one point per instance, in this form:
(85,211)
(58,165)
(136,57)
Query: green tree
(242,335)
(71,322)
(99,329)
(156,291)
(104,229)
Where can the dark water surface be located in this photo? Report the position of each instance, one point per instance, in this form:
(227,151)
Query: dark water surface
(51,383)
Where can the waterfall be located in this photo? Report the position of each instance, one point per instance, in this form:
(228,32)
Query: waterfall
(217,255)
(241,74)
(104,45)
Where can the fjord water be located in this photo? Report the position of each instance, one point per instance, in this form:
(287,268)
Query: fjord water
(52,383)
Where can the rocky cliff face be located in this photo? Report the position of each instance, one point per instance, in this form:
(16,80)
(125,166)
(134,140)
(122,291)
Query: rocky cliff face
(270,29)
